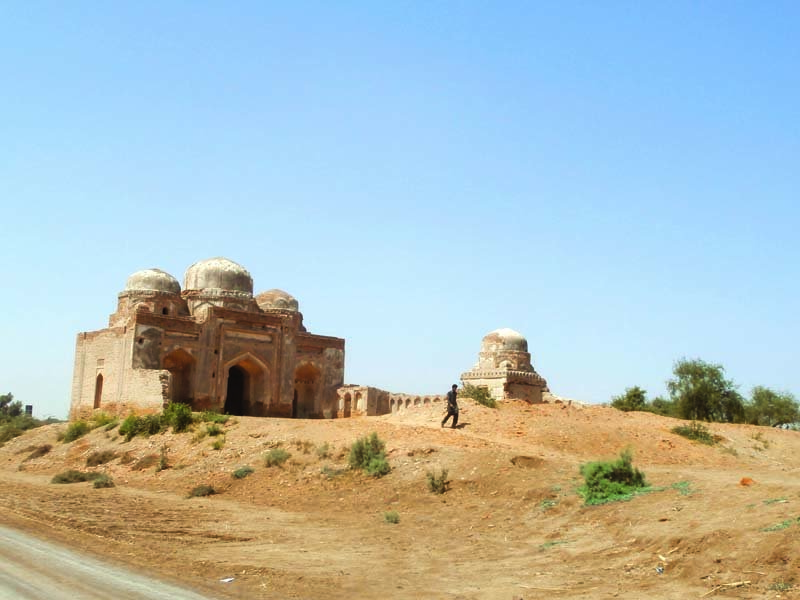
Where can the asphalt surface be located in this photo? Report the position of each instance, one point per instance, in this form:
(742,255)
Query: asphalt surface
(31,569)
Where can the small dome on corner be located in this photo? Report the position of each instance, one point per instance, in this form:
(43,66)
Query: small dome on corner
(152,280)
(218,274)
(277,300)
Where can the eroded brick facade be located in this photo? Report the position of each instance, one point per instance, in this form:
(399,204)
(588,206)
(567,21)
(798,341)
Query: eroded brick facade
(212,345)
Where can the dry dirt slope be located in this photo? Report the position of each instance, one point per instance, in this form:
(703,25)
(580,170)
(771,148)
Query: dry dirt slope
(506,529)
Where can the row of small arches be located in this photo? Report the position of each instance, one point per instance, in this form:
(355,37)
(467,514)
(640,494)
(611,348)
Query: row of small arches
(397,403)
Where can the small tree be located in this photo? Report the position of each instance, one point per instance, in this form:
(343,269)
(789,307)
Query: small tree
(767,407)
(662,406)
(9,407)
(701,392)
(634,398)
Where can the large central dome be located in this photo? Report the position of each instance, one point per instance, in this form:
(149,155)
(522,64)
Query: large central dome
(218,274)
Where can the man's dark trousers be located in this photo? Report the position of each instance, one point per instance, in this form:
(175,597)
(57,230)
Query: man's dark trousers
(451,413)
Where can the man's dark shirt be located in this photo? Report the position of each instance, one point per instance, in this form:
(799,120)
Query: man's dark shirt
(452,405)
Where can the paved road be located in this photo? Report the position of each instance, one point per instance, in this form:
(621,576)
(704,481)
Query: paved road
(31,569)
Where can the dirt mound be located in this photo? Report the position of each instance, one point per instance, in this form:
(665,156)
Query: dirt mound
(511,525)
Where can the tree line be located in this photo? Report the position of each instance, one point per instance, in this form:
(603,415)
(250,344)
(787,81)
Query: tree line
(700,391)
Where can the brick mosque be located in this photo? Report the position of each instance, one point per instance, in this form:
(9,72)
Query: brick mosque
(216,346)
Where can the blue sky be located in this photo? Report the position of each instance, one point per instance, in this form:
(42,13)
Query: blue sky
(617,181)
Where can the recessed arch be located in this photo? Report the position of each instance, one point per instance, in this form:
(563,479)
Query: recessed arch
(307,384)
(98,390)
(181,366)
(246,386)
(347,409)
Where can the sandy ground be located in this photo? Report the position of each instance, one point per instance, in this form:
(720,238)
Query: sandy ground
(511,526)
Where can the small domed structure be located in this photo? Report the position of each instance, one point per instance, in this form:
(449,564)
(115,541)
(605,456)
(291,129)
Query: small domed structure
(277,300)
(504,368)
(152,280)
(218,274)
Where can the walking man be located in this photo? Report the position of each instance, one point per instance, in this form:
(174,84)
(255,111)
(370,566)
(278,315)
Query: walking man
(452,407)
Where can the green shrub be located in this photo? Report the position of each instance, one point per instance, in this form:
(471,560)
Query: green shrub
(242,472)
(634,398)
(146,426)
(38,451)
(9,432)
(100,457)
(100,419)
(330,472)
(304,446)
(276,457)
(218,443)
(209,416)
(369,455)
(73,476)
(323,451)
(378,467)
(392,517)
(480,395)
(697,432)
(163,462)
(11,427)
(609,481)
(202,490)
(103,481)
(437,484)
(213,429)
(178,416)
(112,425)
(75,430)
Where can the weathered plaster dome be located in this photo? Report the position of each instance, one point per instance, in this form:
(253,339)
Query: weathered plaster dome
(152,280)
(505,339)
(218,274)
(277,300)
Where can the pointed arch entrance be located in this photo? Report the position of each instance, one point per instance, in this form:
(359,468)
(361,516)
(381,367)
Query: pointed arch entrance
(180,365)
(246,387)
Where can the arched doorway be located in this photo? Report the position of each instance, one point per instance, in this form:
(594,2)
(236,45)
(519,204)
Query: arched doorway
(360,403)
(246,388)
(98,390)
(306,388)
(180,364)
(348,405)
(237,397)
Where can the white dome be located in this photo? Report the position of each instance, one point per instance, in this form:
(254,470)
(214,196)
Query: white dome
(505,339)
(152,280)
(277,300)
(218,274)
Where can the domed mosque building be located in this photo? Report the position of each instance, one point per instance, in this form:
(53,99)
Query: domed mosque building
(212,345)
(504,368)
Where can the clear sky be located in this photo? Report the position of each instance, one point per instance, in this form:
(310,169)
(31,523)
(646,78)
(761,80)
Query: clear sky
(618,181)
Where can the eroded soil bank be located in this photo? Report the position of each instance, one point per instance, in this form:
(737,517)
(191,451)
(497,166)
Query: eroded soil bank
(511,524)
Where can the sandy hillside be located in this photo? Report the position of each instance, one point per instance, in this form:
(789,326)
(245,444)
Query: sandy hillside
(511,525)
